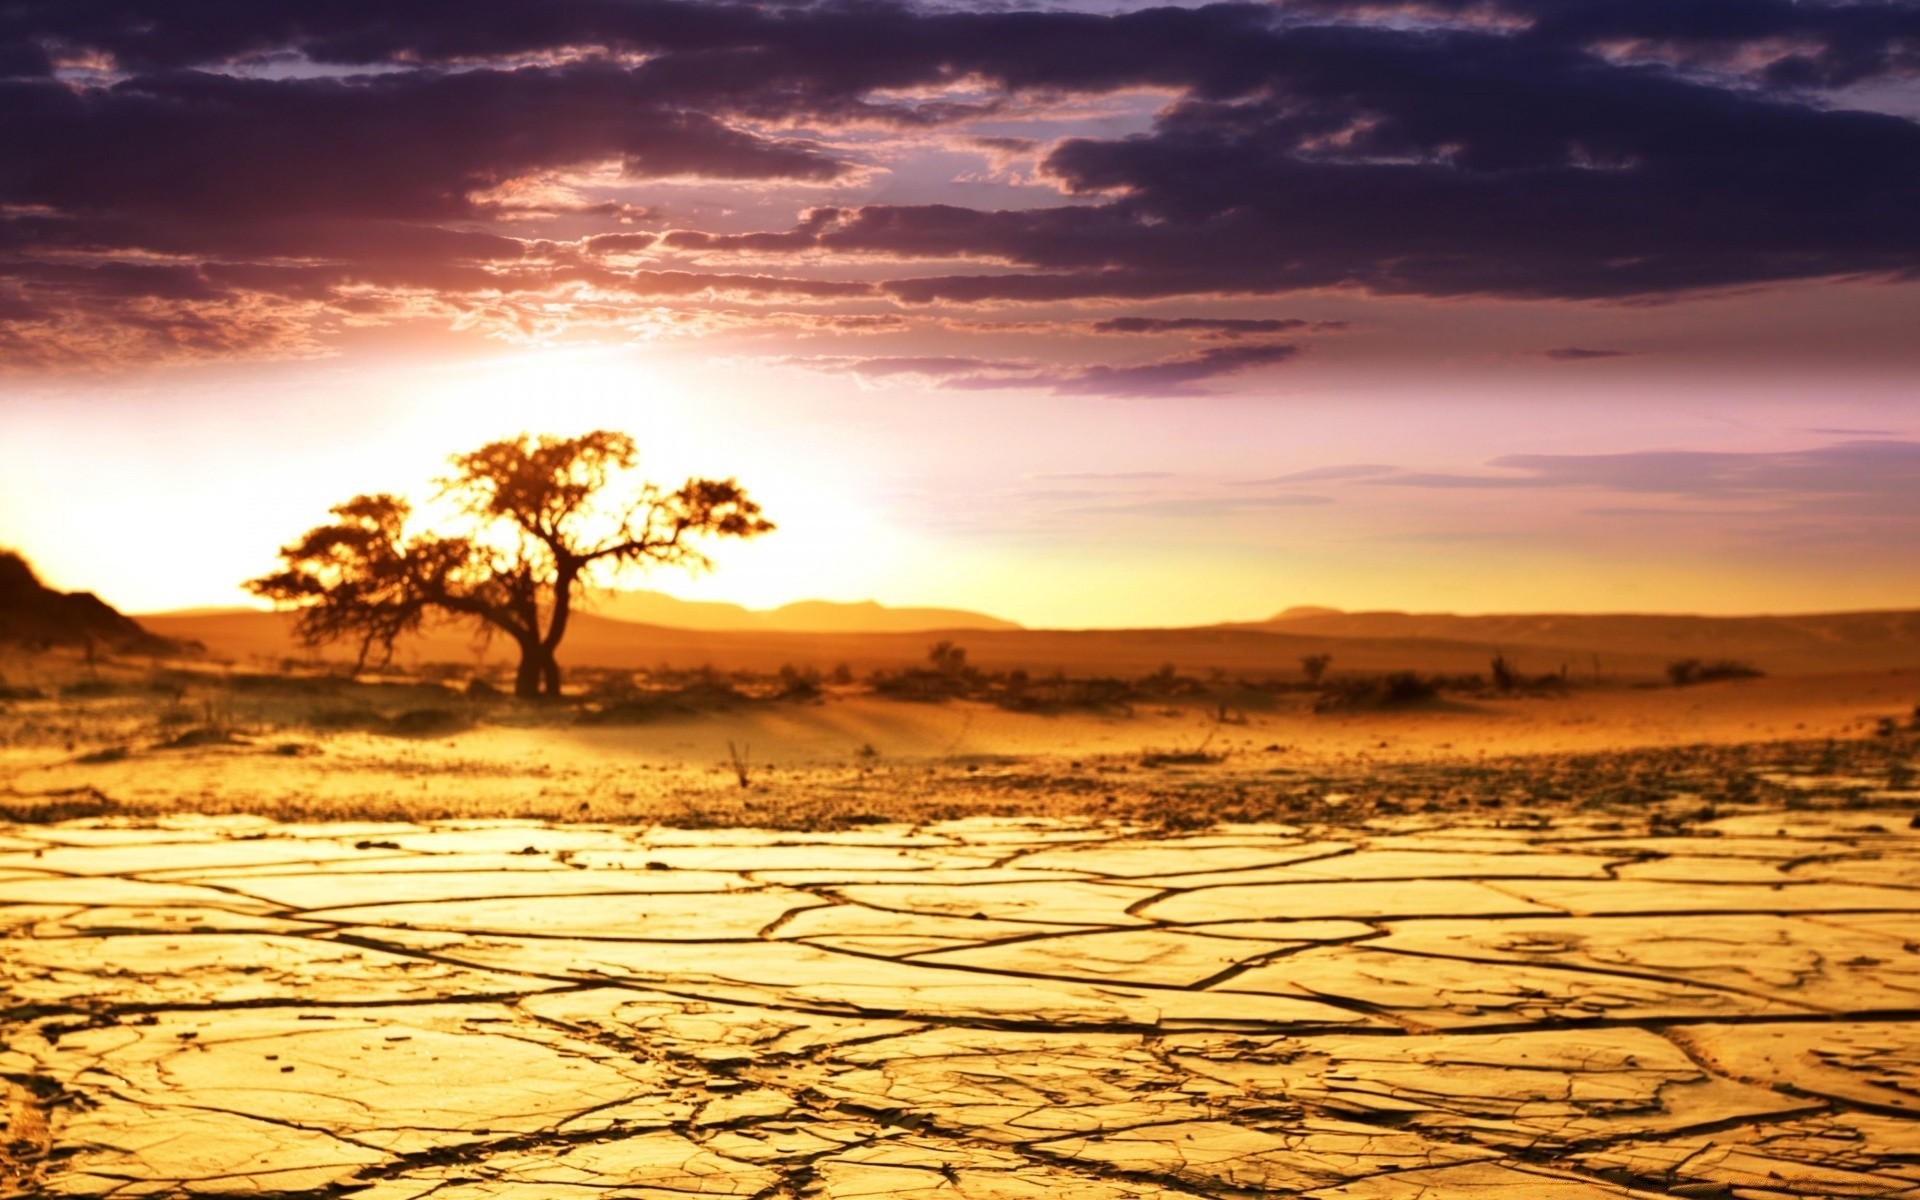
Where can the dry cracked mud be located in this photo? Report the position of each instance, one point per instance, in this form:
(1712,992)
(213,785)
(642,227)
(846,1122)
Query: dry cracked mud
(1427,1007)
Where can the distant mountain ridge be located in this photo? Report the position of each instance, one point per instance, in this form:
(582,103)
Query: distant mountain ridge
(33,614)
(1798,638)
(801,616)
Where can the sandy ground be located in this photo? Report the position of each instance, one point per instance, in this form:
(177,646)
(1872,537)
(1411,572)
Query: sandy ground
(863,757)
(1624,942)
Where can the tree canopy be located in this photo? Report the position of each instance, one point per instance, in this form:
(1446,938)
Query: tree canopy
(538,520)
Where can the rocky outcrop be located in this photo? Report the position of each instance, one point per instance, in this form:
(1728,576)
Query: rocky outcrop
(33,614)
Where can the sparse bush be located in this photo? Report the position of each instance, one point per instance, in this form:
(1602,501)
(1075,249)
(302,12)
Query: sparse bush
(946,676)
(1685,671)
(798,683)
(740,758)
(948,658)
(917,684)
(1397,689)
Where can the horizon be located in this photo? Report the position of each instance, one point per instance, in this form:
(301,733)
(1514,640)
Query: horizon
(597,598)
(1102,318)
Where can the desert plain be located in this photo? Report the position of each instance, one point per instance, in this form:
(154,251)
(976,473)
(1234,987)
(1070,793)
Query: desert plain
(1206,930)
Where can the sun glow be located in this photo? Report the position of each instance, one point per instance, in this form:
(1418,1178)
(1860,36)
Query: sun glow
(829,535)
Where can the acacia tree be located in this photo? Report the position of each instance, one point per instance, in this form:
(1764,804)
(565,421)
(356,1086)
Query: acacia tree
(544,518)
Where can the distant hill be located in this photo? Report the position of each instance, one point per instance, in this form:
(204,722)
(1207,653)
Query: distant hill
(243,635)
(1800,643)
(35,615)
(804,616)
(1631,648)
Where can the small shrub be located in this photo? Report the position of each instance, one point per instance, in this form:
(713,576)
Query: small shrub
(740,758)
(1685,671)
(798,683)
(1397,689)
(918,684)
(947,658)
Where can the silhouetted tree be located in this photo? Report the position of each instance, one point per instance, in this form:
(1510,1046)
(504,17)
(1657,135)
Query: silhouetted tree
(547,516)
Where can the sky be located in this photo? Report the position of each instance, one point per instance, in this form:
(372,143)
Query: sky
(1097,314)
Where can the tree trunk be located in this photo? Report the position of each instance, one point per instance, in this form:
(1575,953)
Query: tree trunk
(567,572)
(526,680)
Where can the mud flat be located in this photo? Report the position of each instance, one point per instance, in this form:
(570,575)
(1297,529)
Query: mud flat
(1559,1004)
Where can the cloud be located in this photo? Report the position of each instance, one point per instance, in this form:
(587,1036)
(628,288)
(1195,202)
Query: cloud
(1776,42)
(1322,475)
(1581,354)
(1176,375)
(924,366)
(1208,506)
(1862,476)
(1212,328)
(305,165)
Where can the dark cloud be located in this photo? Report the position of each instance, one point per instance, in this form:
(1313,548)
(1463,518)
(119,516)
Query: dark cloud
(1773,41)
(1212,328)
(1581,354)
(417,145)
(285,157)
(1176,375)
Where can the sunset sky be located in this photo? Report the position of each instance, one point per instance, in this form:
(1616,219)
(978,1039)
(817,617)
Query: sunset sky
(1079,314)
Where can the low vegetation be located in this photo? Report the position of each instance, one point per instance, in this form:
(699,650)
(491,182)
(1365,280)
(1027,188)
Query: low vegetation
(434,700)
(1685,671)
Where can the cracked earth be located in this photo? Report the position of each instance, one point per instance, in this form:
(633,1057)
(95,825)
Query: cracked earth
(1429,1007)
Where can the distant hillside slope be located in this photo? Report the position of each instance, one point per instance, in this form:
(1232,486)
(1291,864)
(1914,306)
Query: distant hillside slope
(595,641)
(33,614)
(1365,642)
(1809,642)
(804,616)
